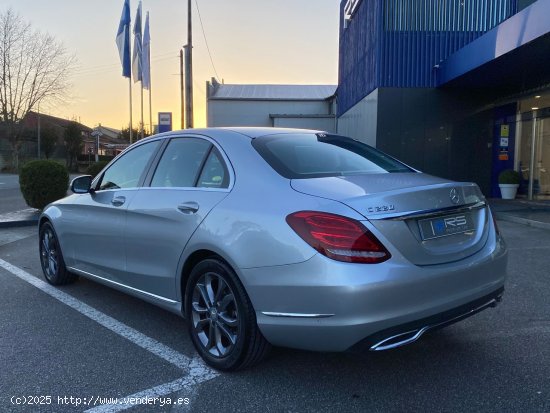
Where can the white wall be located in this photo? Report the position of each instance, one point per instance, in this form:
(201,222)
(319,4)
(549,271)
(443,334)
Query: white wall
(256,113)
(360,122)
(323,124)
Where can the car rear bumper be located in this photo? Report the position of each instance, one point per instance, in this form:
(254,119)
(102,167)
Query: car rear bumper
(325,305)
(410,332)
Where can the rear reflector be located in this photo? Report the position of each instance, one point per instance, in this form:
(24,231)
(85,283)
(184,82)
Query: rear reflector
(338,237)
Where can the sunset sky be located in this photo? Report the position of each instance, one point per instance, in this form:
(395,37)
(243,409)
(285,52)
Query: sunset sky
(268,41)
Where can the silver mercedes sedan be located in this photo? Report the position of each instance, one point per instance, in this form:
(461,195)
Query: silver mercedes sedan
(263,236)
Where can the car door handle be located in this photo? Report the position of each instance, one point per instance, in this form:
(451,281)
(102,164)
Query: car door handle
(118,200)
(188,207)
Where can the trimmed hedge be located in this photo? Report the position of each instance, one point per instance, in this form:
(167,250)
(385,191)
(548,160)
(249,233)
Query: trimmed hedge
(96,168)
(43,182)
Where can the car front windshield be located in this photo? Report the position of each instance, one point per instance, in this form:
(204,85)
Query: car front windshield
(296,156)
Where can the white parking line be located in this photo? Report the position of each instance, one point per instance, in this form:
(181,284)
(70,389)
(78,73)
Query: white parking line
(196,371)
(187,383)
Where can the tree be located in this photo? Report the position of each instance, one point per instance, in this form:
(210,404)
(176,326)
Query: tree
(73,143)
(48,140)
(136,135)
(34,69)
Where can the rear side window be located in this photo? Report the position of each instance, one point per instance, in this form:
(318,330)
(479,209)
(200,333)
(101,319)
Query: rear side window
(214,173)
(180,163)
(297,156)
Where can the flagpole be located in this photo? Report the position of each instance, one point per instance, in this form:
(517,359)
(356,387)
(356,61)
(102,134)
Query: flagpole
(130,78)
(146,68)
(130,89)
(142,109)
(150,107)
(150,90)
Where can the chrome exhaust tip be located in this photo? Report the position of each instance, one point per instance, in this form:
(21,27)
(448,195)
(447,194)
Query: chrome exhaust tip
(399,340)
(411,336)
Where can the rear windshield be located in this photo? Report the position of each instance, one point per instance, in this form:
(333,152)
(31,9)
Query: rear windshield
(296,156)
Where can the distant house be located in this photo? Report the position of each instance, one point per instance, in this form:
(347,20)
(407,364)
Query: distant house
(29,137)
(108,132)
(58,125)
(110,142)
(294,106)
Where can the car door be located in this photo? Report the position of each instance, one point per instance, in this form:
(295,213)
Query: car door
(191,177)
(96,233)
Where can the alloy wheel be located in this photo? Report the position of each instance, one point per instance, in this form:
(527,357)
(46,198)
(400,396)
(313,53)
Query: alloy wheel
(215,315)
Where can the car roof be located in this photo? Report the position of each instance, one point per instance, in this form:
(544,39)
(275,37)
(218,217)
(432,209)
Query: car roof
(250,132)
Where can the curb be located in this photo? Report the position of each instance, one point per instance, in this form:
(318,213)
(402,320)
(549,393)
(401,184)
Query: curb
(18,224)
(23,218)
(524,221)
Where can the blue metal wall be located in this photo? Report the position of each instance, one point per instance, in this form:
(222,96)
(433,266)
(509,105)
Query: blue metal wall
(399,43)
(359,61)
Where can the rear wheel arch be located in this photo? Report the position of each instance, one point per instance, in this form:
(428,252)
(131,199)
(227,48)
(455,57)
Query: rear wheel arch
(43,220)
(190,263)
(188,266)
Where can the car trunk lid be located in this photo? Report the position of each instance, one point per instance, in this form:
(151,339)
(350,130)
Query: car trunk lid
(428,220)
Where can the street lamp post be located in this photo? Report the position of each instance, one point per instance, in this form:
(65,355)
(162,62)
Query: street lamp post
(96,133)
(38,131)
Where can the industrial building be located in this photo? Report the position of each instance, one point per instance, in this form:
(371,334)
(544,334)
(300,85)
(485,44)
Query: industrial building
(457,88)
(285,106)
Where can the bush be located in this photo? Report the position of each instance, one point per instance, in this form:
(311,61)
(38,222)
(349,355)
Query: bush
(96,168)
(509,176)
(43,182)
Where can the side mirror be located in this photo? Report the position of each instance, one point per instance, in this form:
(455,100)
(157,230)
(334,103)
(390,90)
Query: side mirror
(82,184)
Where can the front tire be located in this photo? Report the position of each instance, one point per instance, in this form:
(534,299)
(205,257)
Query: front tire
(51,257)
(221,319)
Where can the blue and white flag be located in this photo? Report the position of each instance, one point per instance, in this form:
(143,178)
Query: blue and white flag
(123,39)
(146,55)
(136,57)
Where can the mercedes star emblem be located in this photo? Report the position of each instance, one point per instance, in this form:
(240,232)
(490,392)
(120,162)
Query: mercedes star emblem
(455,197)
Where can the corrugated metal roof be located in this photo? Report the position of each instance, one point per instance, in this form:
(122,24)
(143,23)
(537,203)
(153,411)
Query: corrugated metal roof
(273,92)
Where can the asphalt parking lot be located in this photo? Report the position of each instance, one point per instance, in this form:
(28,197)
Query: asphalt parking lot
(86,347)
(12,200)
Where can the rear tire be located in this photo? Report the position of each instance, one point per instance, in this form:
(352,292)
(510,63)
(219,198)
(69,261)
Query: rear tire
(51,257)
(221,320)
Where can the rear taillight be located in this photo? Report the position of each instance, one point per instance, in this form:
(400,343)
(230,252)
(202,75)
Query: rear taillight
(338,237)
